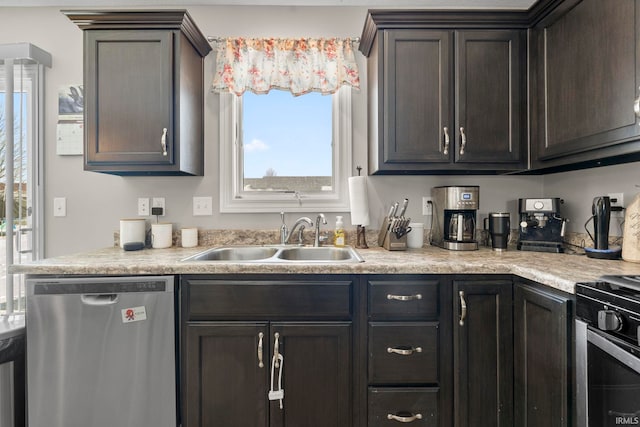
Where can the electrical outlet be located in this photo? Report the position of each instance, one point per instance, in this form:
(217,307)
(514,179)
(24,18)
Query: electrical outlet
(202,206)
(143,206)
(158,202)
(427,206)
(617,201)
(60,206)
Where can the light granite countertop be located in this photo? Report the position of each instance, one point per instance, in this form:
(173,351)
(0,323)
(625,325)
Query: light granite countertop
(560,271)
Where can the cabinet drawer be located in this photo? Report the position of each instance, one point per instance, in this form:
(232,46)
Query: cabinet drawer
(403,300)
(416,406)
(403,353)
(250,300)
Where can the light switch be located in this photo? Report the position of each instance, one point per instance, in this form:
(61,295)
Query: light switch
(60,206)
(202,206)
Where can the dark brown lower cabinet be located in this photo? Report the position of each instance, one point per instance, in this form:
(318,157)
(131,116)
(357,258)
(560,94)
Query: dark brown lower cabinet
(227,385)
(483,353)
(543,325)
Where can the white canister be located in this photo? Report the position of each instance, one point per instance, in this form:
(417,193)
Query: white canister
(415,238)
(161,235)
(189,237)
(132,231)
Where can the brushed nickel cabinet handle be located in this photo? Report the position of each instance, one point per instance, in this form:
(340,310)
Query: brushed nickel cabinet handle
(403,297)
(463,137)
(276,349)
(163,141)
(260,362)
(463,306)
(636,107)
(446,141)
(402,419)
(404,351)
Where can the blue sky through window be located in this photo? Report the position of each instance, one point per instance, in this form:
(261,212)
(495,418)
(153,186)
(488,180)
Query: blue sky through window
(290,135)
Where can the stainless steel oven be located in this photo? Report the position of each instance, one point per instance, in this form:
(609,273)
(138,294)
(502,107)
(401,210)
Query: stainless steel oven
(607,352)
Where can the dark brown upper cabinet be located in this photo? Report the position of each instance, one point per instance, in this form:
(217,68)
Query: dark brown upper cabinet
(444,100)
(144,97)
(585,84)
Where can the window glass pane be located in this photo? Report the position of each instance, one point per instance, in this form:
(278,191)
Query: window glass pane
(287,142)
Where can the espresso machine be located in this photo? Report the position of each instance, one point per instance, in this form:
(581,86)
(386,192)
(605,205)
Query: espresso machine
(541,226)
(454,217)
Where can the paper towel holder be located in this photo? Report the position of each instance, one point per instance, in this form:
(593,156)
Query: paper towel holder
(361,232)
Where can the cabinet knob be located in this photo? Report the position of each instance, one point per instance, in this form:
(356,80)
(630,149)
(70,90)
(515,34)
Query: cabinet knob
(163,141)
(445,150)
(463,143)
(404,419)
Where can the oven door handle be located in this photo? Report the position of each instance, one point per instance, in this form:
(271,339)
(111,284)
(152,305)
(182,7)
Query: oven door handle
(620,354)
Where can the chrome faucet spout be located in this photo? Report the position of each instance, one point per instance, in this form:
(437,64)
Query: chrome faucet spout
(320,217)
(299,223)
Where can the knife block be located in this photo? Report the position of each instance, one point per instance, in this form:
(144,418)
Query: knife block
(388,239)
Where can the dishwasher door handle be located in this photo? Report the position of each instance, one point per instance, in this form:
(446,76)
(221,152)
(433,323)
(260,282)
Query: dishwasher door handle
(99,299)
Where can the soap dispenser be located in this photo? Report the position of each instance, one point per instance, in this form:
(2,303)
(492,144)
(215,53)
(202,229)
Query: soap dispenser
(339,237)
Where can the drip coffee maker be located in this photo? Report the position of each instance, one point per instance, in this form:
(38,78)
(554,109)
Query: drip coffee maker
(454,217)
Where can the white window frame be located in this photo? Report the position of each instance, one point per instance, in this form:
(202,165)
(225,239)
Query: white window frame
(233,198)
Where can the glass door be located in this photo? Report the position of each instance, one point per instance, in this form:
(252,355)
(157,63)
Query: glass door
(21,192)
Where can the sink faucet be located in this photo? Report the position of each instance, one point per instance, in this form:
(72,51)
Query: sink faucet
(320,217)
(300,222)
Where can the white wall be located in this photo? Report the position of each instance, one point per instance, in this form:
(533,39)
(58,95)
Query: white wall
(95,202)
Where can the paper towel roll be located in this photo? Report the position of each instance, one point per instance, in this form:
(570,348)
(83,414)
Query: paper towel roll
(359,200)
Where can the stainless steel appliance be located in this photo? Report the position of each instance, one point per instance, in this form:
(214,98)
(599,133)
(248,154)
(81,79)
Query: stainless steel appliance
(608,352)
(101,352)
(541,226)
(454,217)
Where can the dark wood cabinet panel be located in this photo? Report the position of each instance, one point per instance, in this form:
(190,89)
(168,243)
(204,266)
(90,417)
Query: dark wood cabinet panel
(543,358)
(404,299)
(144,92)
(489,97)
(587,71)
(444,98)
(225,386)
(317,375)
(483,353)
(418,406)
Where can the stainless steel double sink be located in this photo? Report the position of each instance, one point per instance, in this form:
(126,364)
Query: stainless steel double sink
(278,254)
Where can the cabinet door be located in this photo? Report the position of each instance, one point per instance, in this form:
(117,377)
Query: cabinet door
(224,382)
(129,97)
(483,354)
(587,76)
(489,101)
(416,95)
(316,375)
(542,342)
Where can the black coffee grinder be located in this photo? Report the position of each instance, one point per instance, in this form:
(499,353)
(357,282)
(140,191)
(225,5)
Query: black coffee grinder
(601,216)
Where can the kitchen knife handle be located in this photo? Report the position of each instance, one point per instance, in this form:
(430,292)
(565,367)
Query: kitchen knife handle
(404,297)
(403,419)
(260,362)
(403,209)
(463,137)
(163,141)
(463,306)
(445,151)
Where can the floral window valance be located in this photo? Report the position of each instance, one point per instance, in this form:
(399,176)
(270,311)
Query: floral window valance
(297,65)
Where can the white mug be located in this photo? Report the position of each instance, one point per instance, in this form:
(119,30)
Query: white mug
(132,231)
(415,238)
(189,237)
(161,235)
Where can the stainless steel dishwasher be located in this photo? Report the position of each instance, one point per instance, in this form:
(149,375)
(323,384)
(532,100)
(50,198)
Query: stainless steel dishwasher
(101,352)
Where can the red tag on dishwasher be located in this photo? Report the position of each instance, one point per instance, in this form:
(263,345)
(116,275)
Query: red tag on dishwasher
(134,314)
